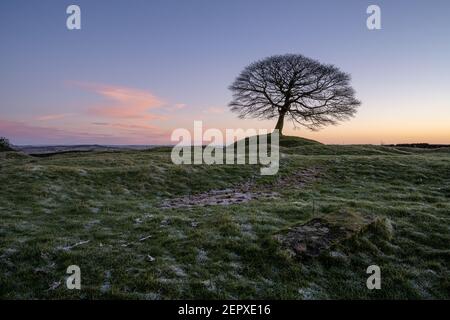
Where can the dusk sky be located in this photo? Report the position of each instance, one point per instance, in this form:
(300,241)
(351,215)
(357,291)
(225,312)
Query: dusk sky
(139,69)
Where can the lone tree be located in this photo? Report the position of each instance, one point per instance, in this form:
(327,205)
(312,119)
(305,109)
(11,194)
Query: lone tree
(293,86)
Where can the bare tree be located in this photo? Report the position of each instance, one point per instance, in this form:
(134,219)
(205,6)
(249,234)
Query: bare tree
(292,86)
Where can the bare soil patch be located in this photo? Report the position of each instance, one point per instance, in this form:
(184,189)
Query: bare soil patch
(244,192)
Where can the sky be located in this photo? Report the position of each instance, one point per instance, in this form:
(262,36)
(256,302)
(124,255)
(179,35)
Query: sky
(137,70)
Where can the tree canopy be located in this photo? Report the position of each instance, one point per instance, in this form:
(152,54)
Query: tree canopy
(295,87)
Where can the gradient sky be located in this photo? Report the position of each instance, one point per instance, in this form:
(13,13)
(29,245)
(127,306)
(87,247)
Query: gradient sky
(139,69)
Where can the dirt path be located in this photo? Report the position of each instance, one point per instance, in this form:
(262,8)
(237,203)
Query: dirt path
(244,192)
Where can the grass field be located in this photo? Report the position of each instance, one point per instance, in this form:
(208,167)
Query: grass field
(102,211)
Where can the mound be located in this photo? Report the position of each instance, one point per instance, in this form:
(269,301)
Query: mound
(289,141)
(319,234)
(292,142)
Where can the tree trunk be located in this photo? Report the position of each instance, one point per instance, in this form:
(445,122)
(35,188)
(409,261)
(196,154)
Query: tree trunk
(280,123)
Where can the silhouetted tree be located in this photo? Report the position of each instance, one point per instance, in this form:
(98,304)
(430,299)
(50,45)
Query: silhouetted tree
(292,86)
(4,144)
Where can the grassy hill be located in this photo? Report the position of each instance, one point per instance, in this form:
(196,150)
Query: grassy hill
(103,211)
(292,142)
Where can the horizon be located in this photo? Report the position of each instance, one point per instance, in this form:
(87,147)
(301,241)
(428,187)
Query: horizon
(132,75)
(205,144)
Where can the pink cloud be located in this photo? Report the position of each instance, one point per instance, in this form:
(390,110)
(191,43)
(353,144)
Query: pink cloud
(53,116)
(121,116)
(23,133)
(26,133)
(128,126)
(123,102)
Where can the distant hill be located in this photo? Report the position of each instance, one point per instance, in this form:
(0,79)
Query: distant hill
(47,150)
(419,145)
